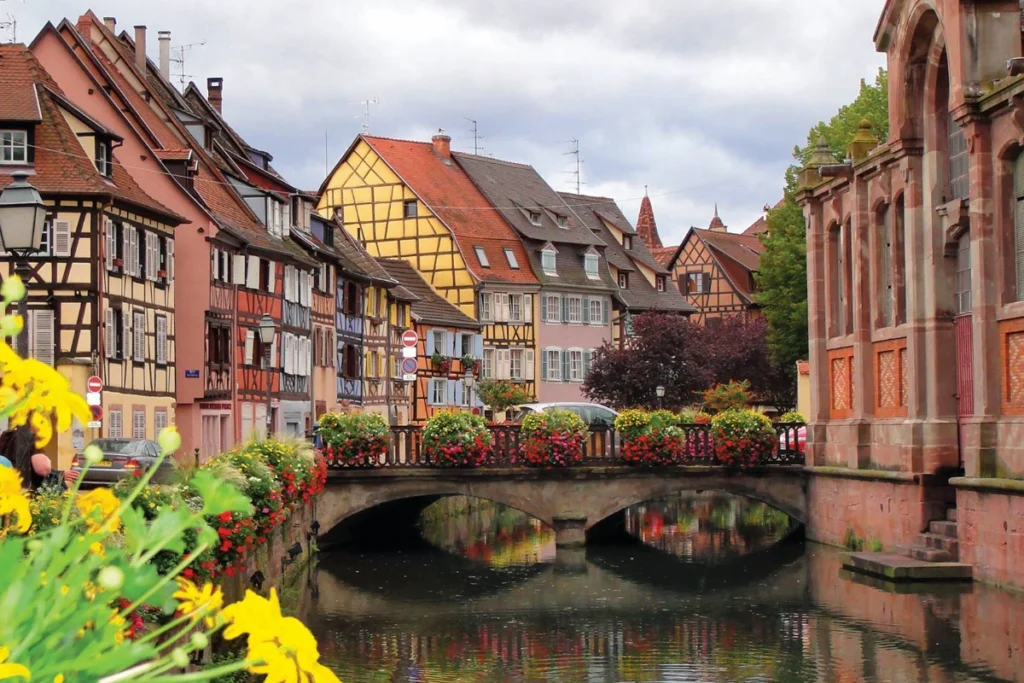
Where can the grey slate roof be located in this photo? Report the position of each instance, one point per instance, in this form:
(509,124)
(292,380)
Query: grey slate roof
(429,306)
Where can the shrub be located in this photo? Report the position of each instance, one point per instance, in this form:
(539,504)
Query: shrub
(651,438)
(289,464)
(501,394)
(261,487)
(693,416)
(554,438)
(793,416)
(46,507)
(731,396)
(742,438)
(456,440)
(355,439)
(632,423)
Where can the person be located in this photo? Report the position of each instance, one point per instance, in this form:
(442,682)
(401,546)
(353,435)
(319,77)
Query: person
(18,445)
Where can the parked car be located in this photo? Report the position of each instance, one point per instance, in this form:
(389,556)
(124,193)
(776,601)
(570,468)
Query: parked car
(124,458)
(593,414)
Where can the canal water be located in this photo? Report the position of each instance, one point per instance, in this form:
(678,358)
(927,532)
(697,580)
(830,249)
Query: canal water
(694,588)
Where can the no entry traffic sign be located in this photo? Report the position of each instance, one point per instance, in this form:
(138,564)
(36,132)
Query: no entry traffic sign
(409,338)
(95,384)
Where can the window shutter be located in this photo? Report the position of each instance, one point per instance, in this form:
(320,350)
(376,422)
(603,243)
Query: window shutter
(41,336)
(246,421)
(238,277)
(565,309)
(170,258)
(61,238)
(161,340)
(110,243)
(456,387)
(272,273)
(108,333)
(250,341)
(604,311)
(273,352)
(430,343)
(159,420)
(544,307)
(252,274)
(126,333)
(504,362)
(528,364)
(214,265)
(309,289)
(431,384)
(132,255)
(586,310)
(528,308)
(544,364)
(565,366)
(139,345)
(457,343)
(478,345)
(126,249)
(588,357)
(114,430)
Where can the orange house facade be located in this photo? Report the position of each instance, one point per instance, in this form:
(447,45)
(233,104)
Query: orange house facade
(916,279)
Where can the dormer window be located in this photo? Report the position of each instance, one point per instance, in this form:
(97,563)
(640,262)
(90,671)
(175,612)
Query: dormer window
(510,256)
(623,280)
(590,264)
(481,256)
(562,222)
(661,283)
(547,260)
(103,157)
(534,217)
(627,242)
(13,147)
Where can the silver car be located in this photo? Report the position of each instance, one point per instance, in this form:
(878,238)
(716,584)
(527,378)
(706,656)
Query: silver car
(124,458)
(603,439)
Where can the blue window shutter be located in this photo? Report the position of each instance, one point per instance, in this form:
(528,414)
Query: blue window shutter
(544,364)
(449,342)
(604,310)
(478,345)
(544,307)
(565,309)
(565,366)
(430,392)
(586,309)
(588,357)
(457,398)
(458,344)
(430,342)
(450,394)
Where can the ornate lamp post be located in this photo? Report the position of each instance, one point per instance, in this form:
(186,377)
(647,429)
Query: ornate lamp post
(268,330)
(660,391)
(469,381)
(22,220)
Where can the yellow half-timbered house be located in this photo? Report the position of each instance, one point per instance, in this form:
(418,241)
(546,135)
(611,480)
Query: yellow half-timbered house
(411,201)
(101,296)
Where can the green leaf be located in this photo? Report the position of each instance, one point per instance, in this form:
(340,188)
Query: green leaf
(218,496)
(170,523)
(139,580)
(134,523)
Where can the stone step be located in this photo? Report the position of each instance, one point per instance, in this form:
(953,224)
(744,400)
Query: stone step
(951,514)
(943,529)
(929,554)
(893,567)
(936,542)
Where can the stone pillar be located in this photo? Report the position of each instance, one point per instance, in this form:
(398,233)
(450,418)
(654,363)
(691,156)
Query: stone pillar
(570,530)
(816,332)
(571,560)
(861,225)
(913,278)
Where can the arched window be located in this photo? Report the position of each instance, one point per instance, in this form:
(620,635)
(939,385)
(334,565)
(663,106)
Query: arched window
(846,259)
(886,298)
(899,260)
(1018,224)
(835,272)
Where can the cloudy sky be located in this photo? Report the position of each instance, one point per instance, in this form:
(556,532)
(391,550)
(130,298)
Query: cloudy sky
(701,100)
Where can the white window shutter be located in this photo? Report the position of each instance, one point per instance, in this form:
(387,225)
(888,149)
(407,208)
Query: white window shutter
(293,354)
(40,336)
(139,346)
(528,363)
(273,352)
(250,343)
(126,249)
(239,266)
(161,340)
(108,333)
(288,283)
(61,238)
(504,363)
(309,289)
(170,259)
(214,265)
(109,244)
(528,308)
(126,334)
(309,357)
(272,268)
(252,276)
(133,239)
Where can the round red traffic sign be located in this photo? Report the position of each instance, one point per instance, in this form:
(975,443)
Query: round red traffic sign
(409,366)
(95,384)
(97,412)
(409,338)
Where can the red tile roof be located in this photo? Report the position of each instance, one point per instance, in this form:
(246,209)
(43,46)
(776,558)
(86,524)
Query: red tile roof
(452,197)
(174,154)
(19,101)
(646,226)
(664,254)
(761,224)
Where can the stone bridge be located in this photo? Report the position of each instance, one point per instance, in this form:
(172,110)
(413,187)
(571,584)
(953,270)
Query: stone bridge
(571,500)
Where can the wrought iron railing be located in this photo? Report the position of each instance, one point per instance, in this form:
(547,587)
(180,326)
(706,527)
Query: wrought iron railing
(602,448)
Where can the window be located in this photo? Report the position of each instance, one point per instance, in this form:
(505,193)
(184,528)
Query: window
(516,364)
(439,339)
(660,279)
(113,245)
(351,302)
(466,346)
(575,309)
(1018,224)
(534,217)
(576,365)
(547,261)
(884,279)
(329,235)
(562,222)
(959,162)
(41,337)
(13,147)
(218,345)
(151,256)
(161,340)
(266,275)
(899,258)
(590,262)
(350,368)
(596,311)
(482,257)
(166,259)
(139,339)
(138,423)
(439,392)
(515,308)
(220,266)
(837,299)
(698,283)
(486,300)
(103,157)
(409,208)
(552,309)
(371,364)
(510,256)
(114,424)
(627,242)
(963,274)
(552,365)
(159,420)
(487,367)
(114,337)
(623,280)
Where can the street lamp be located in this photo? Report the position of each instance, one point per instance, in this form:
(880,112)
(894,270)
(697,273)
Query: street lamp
(268,330)
(469,381)
(660,391)
(22,220)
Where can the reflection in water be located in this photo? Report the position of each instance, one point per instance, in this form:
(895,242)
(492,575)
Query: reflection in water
(487,605)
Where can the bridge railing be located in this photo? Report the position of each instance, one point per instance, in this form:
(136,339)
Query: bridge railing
(602,448)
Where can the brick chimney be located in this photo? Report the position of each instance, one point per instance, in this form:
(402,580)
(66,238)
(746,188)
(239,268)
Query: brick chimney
(140,48)
(111,24)
(165,54)
(215,92)
(442,145)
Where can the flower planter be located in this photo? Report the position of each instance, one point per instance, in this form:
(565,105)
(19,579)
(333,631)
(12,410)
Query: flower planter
(456,440)
(555,438)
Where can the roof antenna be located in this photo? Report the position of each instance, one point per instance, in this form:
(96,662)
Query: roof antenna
(575,151)
(366,113)
(10,22)
(178,57)
(476,137)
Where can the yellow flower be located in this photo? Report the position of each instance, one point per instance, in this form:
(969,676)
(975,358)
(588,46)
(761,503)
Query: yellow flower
(205,601)
(281,648)
(59,678)
(11,670)
(106,504)
(96,548)
(39,392)
(13,498)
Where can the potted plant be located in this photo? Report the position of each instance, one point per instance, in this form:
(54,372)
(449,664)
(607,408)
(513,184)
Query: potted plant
(469,364)
(354,439)
(502,394)
(554,438)
(441,362)
(651,439)
(456,440)
(742,438)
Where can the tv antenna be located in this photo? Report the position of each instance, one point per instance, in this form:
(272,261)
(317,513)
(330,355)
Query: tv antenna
(366,112)
(178,53)
(476,136)
(574,150)
(9,22)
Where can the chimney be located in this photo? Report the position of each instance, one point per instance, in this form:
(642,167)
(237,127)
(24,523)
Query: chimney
(140,48)
(165,54)
(215,93)
(110,23)
(442,144)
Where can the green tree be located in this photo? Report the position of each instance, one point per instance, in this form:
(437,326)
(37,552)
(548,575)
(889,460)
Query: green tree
(782,274)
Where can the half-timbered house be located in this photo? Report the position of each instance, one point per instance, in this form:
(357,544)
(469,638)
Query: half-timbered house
(449,346)
(574,305)
(410,200)
(101,289)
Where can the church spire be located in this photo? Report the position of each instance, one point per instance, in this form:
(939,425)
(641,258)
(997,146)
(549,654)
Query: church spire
(716,223)
(646,227)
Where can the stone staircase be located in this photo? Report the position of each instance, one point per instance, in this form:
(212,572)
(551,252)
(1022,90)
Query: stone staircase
(939,543)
